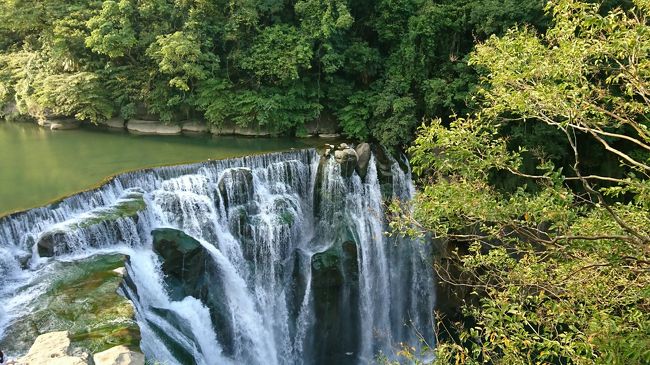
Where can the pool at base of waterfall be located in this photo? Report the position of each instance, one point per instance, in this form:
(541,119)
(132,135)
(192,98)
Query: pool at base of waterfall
(279,258)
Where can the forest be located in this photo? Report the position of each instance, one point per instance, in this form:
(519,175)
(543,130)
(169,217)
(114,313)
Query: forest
(527,124)
(379,68)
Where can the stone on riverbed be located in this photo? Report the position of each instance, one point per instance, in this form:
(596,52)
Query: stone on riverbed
(52,349)
(118,355)
(152,127)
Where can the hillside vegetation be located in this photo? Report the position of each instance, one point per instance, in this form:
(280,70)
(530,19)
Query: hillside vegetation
(376,67)
(539,198)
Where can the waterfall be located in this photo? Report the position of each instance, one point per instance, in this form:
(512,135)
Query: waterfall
(297,268)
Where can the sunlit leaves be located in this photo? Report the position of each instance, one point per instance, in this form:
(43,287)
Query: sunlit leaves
(279,52)
(111,31)
(557,261)
(179,55)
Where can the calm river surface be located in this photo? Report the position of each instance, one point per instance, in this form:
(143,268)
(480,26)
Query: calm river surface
(39,165)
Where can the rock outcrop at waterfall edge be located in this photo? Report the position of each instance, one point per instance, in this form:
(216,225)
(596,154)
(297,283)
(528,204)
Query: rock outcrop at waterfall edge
(81,314)
(336,296)
(60,239)
(54,349)
(189,271)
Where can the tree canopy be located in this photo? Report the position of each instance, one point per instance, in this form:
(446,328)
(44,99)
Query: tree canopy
(556,264)
(377,67)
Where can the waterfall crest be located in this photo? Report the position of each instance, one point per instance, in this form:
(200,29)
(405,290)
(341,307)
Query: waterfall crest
(284,259)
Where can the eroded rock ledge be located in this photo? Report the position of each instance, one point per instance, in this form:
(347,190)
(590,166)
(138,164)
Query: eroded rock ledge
(81,313)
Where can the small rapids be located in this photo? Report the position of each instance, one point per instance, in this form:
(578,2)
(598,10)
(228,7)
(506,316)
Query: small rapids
(298,267)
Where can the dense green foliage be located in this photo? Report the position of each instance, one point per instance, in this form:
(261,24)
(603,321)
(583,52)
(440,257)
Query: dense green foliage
(556,263)
(377,67)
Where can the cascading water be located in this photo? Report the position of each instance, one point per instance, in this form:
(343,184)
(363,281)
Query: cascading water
(295,268)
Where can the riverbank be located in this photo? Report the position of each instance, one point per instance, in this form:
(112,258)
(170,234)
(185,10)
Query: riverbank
(40,165)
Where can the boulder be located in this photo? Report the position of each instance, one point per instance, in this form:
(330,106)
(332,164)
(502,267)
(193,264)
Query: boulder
(236,186)
(335,282)
(152,127)
(59,124)
(51,349)
(347,158)
(363,155)
(58,240)
(47,243)
(183,257)
(190,271)
(194,127)
(118,355)
(384,163)
(116,123)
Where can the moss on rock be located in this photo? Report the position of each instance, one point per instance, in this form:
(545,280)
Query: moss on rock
(82,299)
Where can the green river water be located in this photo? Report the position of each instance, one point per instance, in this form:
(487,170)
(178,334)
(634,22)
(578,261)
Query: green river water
(38,165)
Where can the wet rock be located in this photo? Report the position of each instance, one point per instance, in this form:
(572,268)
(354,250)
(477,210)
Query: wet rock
(57,240)
(382,160)
(152,127)
(119,355)
(47,243)
(190,271)
(115,123)
(335,283)
(384,164)
(194,127)
(236,187)
(51,349)
(363,155)
(59,124)
(184,259)
(347,158)
(178,351)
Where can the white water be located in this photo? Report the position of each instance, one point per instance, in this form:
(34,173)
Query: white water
(263,259)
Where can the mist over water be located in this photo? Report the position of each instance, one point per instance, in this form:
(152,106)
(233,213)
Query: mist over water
(301,270)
